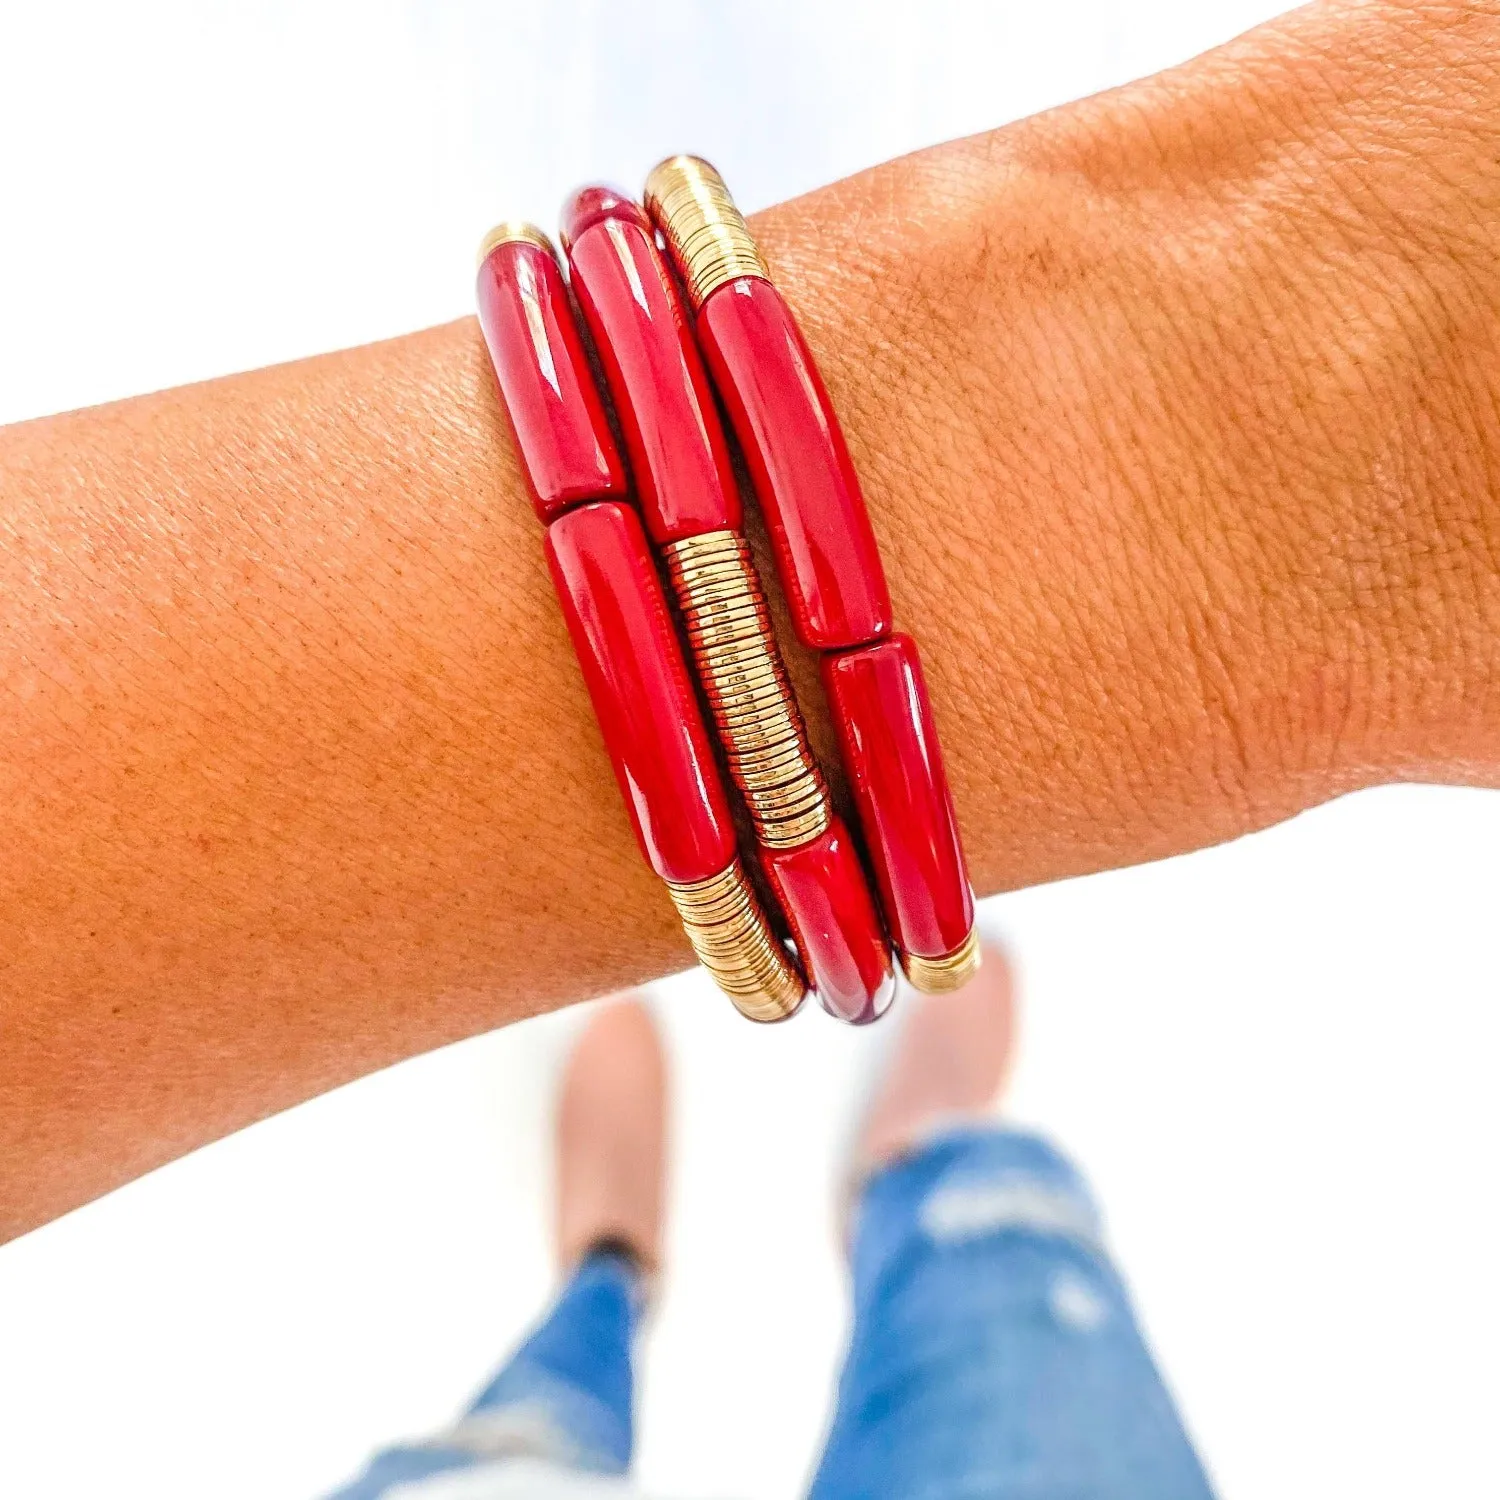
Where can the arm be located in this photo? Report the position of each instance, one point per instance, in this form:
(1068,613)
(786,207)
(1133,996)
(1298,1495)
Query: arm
(1177,413)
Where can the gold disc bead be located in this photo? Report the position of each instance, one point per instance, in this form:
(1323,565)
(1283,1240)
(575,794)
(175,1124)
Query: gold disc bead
(511,232)
(727,927)
(706,234)
(941,976)
(728,631)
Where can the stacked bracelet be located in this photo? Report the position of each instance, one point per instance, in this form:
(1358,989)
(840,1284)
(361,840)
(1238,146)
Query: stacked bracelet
(689,497)
(617,616)
(829,568)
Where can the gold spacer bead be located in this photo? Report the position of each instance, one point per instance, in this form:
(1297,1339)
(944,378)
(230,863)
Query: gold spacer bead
(792,833)
(719,621)
(770,759)
(512,232)
(706,234)
(749,698)
(742,656)
(940,976)
(729,932)
(730,617)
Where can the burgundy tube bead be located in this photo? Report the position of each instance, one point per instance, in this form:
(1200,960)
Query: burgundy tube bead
(592,205)
(826,897)
(567,452)
(794,447)
(632,662)
(678,457)
(895,768)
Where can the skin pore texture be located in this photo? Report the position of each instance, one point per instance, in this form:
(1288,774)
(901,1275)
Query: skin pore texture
(1176,411)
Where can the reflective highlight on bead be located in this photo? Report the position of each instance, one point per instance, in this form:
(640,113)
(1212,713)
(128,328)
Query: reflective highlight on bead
(566,449)
(728,931)
(776,403)
(823,890)
(678,457)
(632,663)
(890,751)
(592,205)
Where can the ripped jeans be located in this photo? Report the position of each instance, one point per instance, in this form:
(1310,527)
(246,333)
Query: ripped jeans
(994,1354)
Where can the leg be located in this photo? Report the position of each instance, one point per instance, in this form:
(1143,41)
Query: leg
(994,1350)
(566,1397)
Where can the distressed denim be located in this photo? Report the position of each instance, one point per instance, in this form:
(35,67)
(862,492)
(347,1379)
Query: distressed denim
(994,1353)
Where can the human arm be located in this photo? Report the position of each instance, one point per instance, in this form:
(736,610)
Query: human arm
(1176,412)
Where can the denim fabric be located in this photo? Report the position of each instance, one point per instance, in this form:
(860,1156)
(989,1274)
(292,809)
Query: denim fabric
(994,1354)
(565,1397)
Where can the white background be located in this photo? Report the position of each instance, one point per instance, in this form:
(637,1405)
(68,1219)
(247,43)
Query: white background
(1275,1059)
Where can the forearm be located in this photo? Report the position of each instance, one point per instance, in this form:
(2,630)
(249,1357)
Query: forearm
(1176,412)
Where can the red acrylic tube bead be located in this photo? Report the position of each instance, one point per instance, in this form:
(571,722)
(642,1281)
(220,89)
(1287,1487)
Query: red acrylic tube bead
(617,615)
(895,768)
(826,897)
(794,447)
(684,480)
(567,451)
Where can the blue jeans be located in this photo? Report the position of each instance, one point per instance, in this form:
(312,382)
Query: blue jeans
(994,1352)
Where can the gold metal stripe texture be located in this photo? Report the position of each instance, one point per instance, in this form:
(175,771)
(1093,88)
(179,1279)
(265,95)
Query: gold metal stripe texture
(705,233)
(759,724)
(940,976)
(729,932)
(513,231)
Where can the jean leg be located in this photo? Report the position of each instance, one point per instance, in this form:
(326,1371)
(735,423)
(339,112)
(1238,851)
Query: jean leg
(994,1352)
(566,1396)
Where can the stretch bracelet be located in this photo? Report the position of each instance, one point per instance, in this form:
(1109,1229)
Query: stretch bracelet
(689,498)
(618,618)
(827,560)
(830,569)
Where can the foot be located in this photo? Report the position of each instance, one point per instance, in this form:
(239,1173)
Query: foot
(611,1137)
(951,1061)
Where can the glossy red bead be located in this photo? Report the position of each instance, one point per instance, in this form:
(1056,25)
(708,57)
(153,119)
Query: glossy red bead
(591,205)
(617,615)
(678,456)
(895,768)
(826,897)
(776,402)
(567,451)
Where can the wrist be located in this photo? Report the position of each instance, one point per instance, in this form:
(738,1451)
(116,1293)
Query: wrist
(1147,453)
(1008,380)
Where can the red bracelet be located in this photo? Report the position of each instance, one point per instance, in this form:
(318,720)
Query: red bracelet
(618,618)
(688,493)
(830,568)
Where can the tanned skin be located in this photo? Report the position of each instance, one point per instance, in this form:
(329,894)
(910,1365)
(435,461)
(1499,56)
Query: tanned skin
(1178,413)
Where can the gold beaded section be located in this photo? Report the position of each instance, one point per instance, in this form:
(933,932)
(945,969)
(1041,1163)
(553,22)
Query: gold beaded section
(727,927)
(940,976)
(705,232)
(759,724)
(514,231)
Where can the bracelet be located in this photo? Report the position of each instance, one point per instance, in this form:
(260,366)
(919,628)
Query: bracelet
(829,567)
(618,619)
(689,497)
(827,560)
